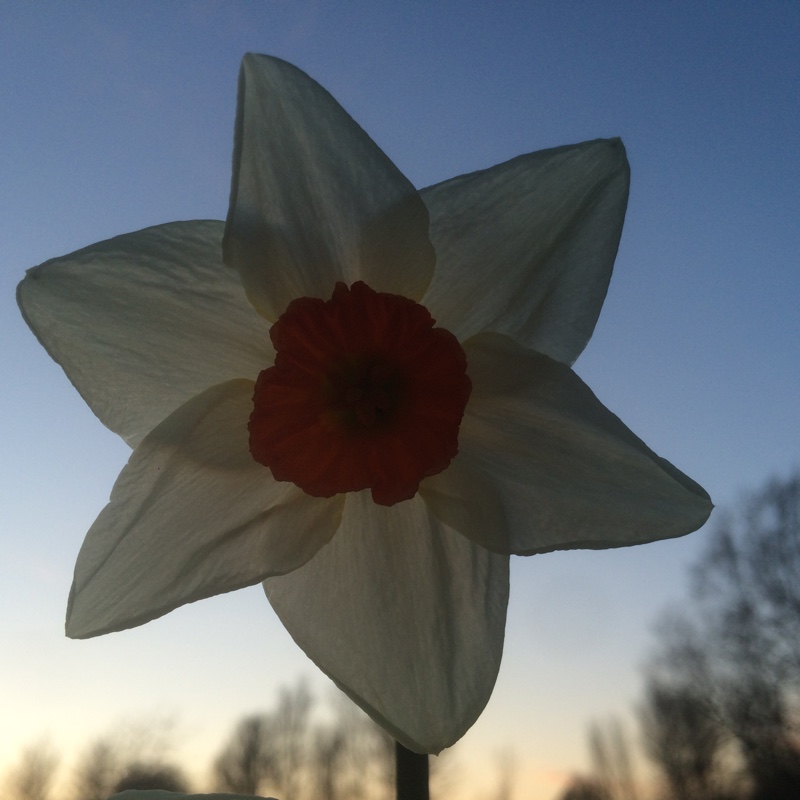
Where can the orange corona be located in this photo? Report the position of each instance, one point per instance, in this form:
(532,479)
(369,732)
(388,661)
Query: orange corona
(365,393)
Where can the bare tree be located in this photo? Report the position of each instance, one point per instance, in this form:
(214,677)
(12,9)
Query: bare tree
(328,768)
(356,754)
(287,753)
(684,738)
(365,756)
(269,750)
(246,760)
(611,777)
(290,730)
(32,778)
(611,759)
(97,771)
(732,664)
(122,751)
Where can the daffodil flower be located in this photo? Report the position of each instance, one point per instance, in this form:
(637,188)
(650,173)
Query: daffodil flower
(359,394)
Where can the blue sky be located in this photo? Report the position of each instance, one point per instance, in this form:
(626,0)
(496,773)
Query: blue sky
(118,116)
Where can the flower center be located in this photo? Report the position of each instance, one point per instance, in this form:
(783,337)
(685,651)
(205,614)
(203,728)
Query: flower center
(365,393)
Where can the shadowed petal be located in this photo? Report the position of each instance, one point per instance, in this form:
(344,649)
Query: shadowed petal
(314,200)
(526,248)
(192,515)
(143,322)
(543,465)
(405,615)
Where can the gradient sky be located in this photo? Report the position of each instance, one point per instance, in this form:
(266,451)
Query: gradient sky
(116,116)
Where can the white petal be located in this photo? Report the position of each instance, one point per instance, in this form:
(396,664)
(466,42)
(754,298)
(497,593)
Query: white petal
(526,248)
(314,200)
(543,465)
(143,322)
(192,515)
(405,615)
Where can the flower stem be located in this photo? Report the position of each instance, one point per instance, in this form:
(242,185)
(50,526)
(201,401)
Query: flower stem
(412,774)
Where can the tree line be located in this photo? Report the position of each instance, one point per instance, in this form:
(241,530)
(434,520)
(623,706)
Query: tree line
(720,713)
(286,752)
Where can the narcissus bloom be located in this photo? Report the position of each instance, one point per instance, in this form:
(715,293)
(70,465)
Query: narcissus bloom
(359,394)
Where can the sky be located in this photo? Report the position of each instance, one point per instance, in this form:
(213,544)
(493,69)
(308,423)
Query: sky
(119,116)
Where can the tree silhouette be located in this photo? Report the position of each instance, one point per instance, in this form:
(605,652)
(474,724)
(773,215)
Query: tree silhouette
(286,753)
(269,750)
(612,770)
(281,752)
(611,760)
(97,771)
(730,671)
(246,760)
(684,738)
(351,758)
(131,748)
(33,776)
(329,751)
(290,726)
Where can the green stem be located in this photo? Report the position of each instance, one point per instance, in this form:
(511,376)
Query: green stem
(412,774)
